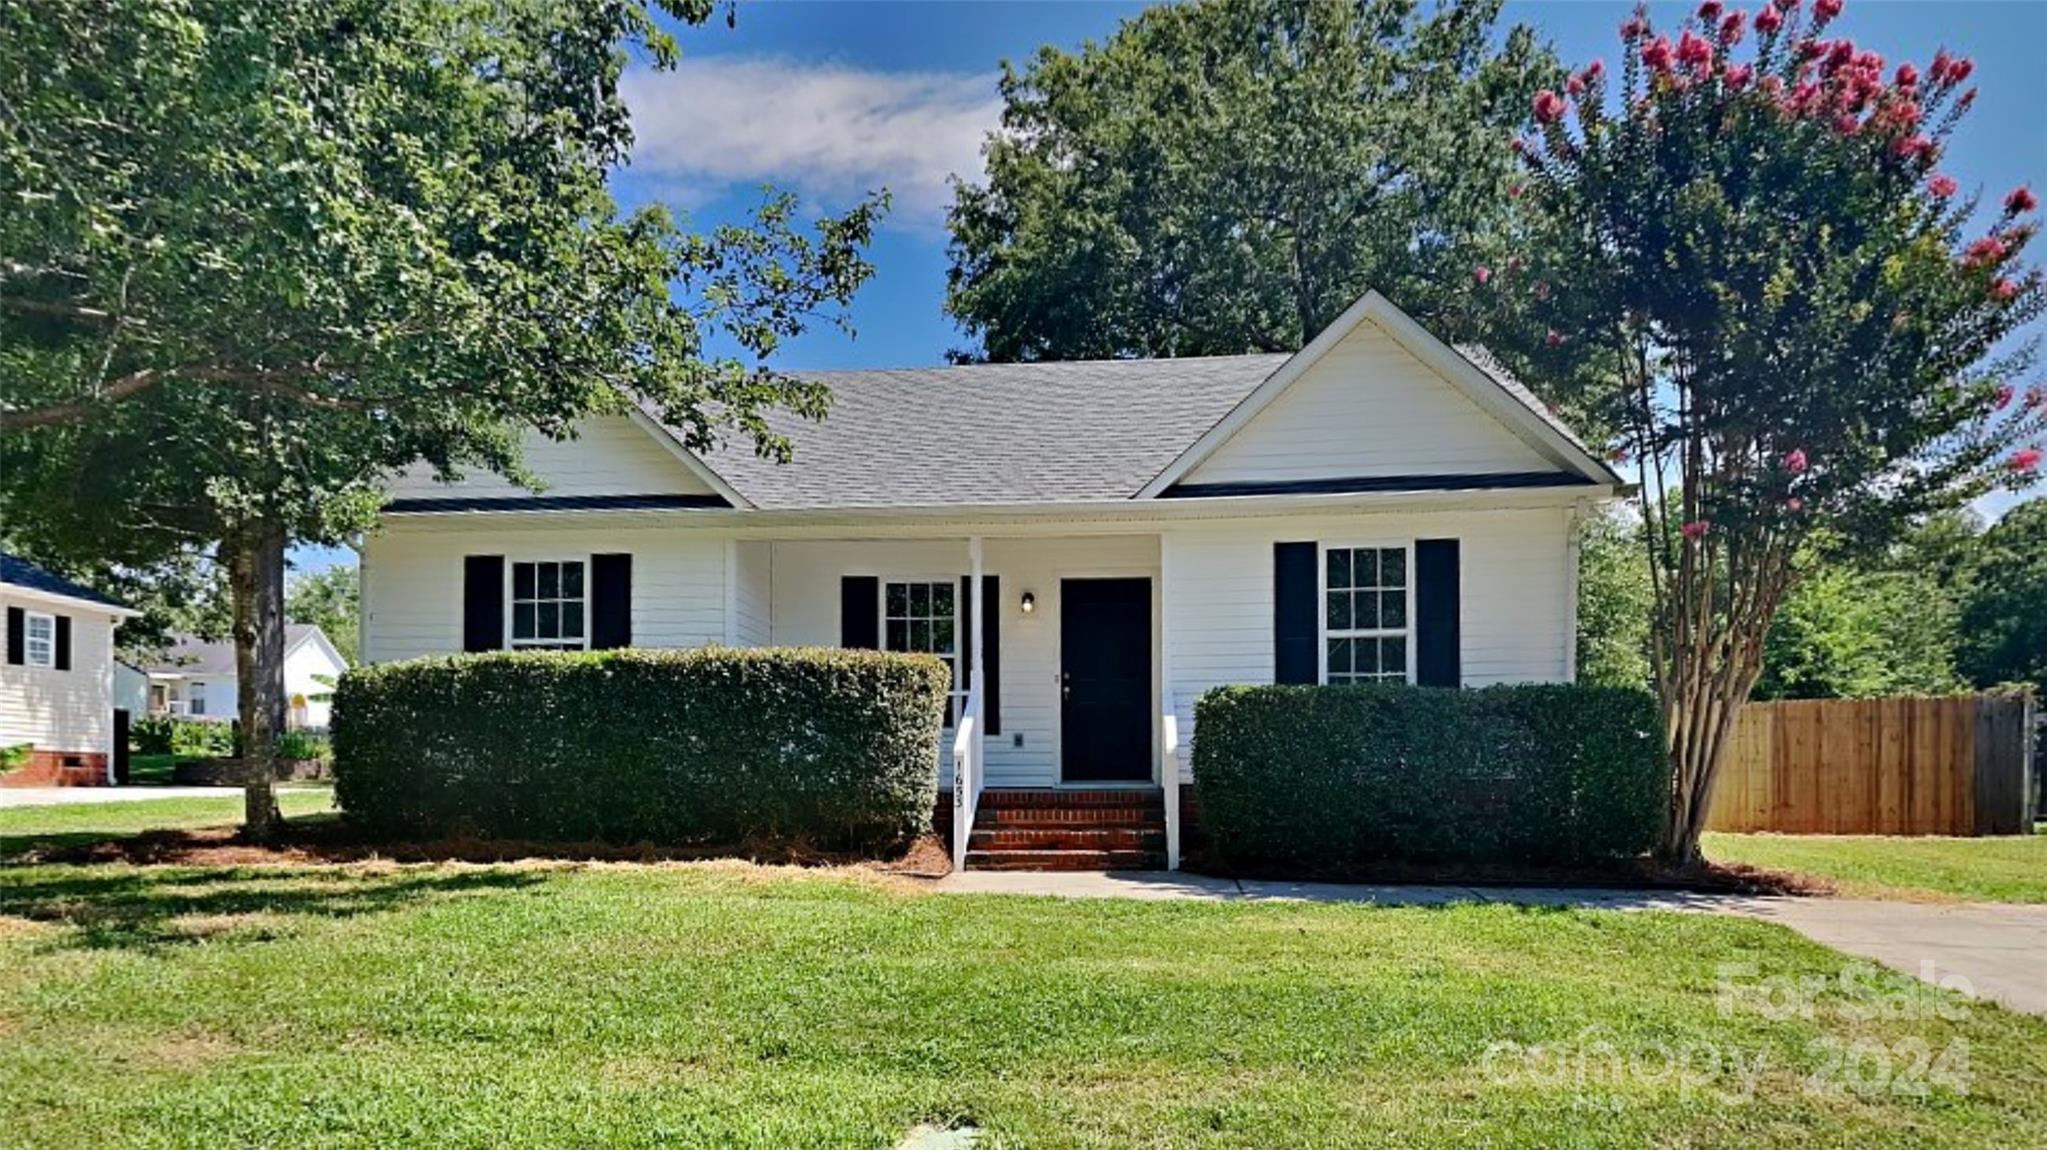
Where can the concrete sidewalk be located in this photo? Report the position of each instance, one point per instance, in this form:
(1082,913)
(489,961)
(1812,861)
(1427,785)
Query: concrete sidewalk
(2001,949)
(12,797)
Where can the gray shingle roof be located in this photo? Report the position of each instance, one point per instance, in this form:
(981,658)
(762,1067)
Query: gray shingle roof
(22,573)
(995,433)
(189,656)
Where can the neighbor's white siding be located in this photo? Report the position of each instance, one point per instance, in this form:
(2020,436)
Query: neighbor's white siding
(611,455)
(806,612)
(303,669)
(1515,604)
(412,581)
(1368,408)
(71,710)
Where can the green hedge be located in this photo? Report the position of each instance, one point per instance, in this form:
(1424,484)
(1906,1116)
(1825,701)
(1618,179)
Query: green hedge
(1327,780)
(194,738)
(827,748)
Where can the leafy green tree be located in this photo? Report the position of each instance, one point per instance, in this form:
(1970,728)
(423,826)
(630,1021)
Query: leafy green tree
(330,600)
(1614,601)
(2004,617)
(1228,175)
(1743,258)
(257,256)
(1846,632)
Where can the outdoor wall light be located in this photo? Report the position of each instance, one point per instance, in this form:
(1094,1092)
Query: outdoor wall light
(1029,604)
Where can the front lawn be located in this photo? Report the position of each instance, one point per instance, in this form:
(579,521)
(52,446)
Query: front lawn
(727,1005)
(72,824)
(2004,869)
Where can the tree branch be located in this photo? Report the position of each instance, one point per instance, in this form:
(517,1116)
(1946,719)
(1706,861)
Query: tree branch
(280,381)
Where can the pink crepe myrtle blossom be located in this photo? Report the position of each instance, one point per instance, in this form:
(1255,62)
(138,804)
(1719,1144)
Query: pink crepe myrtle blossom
(2036,396)
(1846,124)
(1794,504)
(1736,76)
(1594,71)
(2004,289)
(2021,199)
(1963,101)
(1910,147)
(1555,338)
(1709,11)
(1482,274)
(1695,53)
(1635,26)
(1549,107)
(1658,55)
(1908,76)
(1617,455)
(2003,397)
(1984,252)
(1515,191)
(1959,70)
(1795,461)
(2025,460)
(1937,71)
(1942,185)
(1575,86)
(1731,29)
(1826,9)
(1768,21)
(1696,529)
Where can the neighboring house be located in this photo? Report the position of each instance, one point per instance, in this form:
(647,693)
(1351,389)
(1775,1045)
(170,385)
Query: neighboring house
(197,680)
(1379,505)
(56,685)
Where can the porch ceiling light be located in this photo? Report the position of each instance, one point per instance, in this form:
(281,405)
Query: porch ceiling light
(1029,604)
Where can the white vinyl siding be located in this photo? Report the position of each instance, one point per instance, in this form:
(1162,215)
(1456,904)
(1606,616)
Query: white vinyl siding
(1515,601)
(806,613)
(752,563)
(612,455)
(412,580)
(1368,408)
(56,710)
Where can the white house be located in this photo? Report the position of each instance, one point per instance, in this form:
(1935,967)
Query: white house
(56,686)
(197,680)
(1091,545)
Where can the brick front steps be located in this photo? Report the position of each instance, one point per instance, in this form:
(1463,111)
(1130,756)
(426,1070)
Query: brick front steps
(1055,830)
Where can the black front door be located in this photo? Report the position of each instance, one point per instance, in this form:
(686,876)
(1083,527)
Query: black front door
(1105,680)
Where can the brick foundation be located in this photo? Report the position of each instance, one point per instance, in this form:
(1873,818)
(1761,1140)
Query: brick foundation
(60,769)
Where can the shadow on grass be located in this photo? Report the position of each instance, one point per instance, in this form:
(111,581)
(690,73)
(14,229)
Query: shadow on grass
(153,909)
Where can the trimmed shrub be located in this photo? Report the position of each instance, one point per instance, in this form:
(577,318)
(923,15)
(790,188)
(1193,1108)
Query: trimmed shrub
(1327,780)
(170,735)
(826,748)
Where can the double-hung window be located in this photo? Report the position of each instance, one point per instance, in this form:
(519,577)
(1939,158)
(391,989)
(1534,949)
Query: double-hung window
(195,699)
(40,639)
(548,606)
(1365,614)
(922,617)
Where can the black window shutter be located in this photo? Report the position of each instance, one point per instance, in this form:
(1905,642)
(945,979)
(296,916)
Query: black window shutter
(17,636)
(859,612)
(991,656)
(611,604)
(1295,616)
(483,602)
(1437,614)
(63,654)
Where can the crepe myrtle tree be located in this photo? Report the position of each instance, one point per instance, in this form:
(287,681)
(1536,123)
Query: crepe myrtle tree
(256,257)
(1738,258)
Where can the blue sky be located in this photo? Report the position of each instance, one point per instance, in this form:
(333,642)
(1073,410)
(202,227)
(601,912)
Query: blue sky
(833,98)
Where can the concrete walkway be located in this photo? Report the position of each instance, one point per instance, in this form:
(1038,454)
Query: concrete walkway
(11,797)
(2001,949)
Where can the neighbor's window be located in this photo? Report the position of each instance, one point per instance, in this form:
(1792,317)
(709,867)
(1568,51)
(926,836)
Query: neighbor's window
(547,606)
(42,640)
(195,698)
(1364,614)
(923,618)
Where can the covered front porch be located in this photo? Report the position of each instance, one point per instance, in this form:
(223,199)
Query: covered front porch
(1057,647)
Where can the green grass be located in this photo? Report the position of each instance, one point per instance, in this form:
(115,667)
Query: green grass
(458,1006)
(2004,869)
(74,824)
(145,769)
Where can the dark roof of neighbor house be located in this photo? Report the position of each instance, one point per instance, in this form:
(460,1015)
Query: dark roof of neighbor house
(995,433)
(22,573)
(189,656)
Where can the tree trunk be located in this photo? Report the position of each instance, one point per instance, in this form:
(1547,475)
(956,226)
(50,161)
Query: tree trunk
(255,567)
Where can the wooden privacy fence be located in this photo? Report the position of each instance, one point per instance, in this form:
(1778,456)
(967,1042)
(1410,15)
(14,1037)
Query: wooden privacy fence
(1950,766)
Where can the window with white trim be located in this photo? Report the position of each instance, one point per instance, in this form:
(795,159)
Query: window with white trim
(195,698)
(1365,614)
(40,639)
(922,617)
(549,606)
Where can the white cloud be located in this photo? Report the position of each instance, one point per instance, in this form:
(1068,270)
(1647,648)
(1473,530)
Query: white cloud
(826,131)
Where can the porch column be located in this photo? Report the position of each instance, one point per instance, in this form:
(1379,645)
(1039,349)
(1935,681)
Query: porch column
(980,615)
